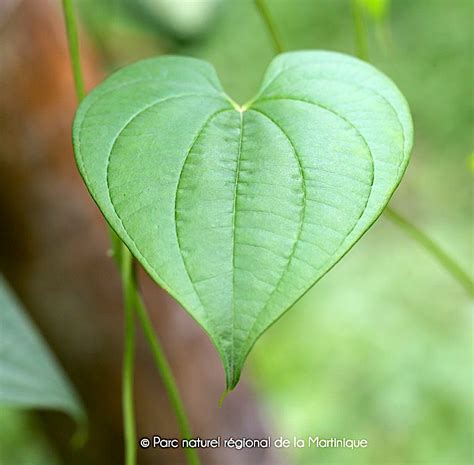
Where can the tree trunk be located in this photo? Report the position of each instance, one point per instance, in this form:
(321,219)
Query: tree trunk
(53,251)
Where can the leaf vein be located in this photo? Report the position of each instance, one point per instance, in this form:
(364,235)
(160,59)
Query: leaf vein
(193,143)
(300,228)
(234,217)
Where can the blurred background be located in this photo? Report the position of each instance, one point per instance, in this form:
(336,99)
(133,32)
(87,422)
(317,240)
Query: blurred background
(380,349)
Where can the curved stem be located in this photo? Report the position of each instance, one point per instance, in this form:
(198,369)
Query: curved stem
(166,375)
(267,19)
(448,263)
(132,299)
(360,32)
(443,258)
(129,291)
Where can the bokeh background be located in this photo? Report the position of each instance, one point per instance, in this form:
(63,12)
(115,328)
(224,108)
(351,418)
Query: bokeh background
(382,347)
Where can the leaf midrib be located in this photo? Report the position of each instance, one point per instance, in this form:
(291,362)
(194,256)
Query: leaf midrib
(234,217)
(210,319)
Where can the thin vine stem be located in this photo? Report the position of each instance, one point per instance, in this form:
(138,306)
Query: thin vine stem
(73,43)
(128,357)
(124,261)
(133,301)
(360,33)
(169,382)
(433,248)
(442,257)
(268,20)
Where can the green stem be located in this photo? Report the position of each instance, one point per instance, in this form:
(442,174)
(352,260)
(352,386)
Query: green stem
(124,262)
(129,290)
(433,248)
(445,260)
(360,32)
(448,263)
(132,301)
(73,43)
(267,19)
(166,375)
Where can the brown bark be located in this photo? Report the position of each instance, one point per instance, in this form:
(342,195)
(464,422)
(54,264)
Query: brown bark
(53,250)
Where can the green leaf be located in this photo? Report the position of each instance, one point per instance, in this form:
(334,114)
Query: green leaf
(30,376)
(238,211)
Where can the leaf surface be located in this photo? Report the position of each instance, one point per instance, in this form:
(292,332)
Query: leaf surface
(30,376)
(238,211)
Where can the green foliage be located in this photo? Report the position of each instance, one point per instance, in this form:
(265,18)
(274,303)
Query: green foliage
(238,211)
(23,442)
(31,377)
(386,356)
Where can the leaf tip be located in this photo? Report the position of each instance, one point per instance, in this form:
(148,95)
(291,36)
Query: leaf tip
(81,434)
(222,397)
(232,378)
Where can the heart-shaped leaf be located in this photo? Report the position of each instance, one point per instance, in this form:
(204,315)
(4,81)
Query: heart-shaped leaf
(238,211)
